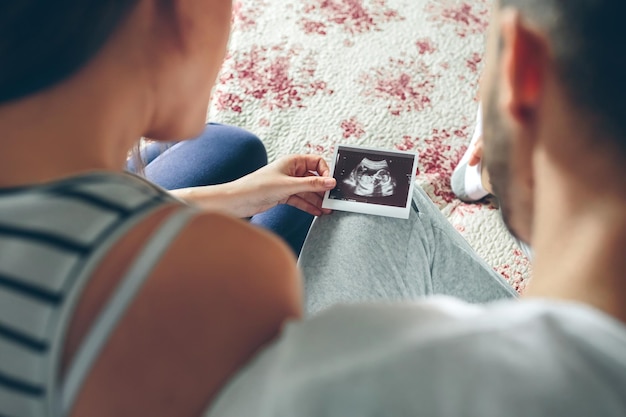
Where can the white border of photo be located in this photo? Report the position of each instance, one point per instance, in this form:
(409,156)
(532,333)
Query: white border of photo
(369,208)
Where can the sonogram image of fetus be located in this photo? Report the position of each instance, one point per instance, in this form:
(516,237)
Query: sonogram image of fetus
(371,179)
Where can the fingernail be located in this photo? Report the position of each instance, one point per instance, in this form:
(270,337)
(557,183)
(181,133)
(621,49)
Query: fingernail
(329,182)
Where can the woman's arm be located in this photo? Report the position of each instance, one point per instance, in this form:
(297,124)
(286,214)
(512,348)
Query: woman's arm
(298,180)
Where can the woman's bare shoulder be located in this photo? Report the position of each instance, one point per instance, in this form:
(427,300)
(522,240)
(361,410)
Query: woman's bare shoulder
(219,244)
(222,291)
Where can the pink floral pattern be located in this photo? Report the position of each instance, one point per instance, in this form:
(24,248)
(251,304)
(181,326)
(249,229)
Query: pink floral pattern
(425,46)
(321,147)
(247,12)
(468,18)
(514,273)
(404,84)
(306,75)
(352,16)
(352,128)
(474,61)
(437,159)
(268,74)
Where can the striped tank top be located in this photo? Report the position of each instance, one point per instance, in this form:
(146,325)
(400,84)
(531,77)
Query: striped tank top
(52,237)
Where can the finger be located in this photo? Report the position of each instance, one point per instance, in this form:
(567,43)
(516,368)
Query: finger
(300,203)
(321,196)
(320,193)
(322,168)
(310,184)
(313,198)
(317,199)
(304,164)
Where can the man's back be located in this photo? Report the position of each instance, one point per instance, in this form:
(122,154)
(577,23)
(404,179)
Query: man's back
(439,358)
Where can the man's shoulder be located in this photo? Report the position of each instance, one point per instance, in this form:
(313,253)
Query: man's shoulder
(519,325)
(512,353)
(443,357)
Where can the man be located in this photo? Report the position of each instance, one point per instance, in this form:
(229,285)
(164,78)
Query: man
(555,149)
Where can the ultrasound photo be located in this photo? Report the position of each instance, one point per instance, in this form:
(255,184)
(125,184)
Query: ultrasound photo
(369,178)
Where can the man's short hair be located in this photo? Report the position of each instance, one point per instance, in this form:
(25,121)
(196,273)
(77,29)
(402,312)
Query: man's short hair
(588,42)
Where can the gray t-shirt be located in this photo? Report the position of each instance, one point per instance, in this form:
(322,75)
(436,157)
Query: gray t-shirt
(440,357)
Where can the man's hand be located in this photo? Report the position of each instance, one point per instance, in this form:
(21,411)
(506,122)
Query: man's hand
(475,157)
(477,153)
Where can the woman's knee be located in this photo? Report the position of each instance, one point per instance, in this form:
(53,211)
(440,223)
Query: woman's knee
(244,148)
(220,154)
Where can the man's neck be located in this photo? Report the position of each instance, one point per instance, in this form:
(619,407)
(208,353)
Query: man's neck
(579,239)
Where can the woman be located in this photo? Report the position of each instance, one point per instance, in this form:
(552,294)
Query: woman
(89,254)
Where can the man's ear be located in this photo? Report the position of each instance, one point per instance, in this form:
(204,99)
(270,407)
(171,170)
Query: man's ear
(523,59)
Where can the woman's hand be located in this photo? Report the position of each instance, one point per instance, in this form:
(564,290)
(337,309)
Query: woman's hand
(297,180)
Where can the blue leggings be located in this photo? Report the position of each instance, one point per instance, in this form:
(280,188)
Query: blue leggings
(221,154)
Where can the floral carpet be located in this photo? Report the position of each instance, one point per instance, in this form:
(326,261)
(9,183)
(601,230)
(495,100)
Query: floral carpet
(306,75)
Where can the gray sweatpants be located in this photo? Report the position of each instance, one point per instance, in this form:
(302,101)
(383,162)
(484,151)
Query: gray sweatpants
(351,257)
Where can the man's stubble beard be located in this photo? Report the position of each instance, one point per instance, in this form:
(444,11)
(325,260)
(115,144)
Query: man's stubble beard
(496,157)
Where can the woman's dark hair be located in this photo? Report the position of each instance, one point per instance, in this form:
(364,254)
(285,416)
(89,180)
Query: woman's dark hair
(42,42)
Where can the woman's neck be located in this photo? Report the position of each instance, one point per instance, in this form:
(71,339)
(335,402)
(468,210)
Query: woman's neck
(74,127)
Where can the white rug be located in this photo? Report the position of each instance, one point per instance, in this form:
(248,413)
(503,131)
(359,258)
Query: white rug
(305,75)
